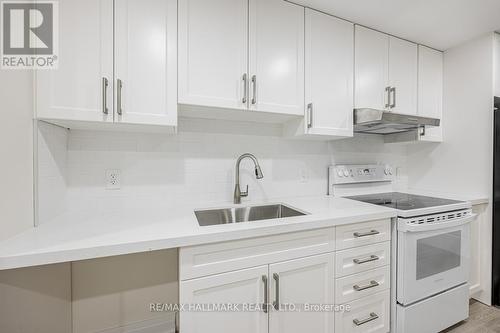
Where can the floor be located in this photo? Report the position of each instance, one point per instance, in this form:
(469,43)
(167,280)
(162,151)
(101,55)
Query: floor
(482,319)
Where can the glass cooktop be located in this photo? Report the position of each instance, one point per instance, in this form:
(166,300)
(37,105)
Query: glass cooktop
(403,201)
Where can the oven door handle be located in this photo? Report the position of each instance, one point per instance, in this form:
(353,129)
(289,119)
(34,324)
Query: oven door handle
(436,226)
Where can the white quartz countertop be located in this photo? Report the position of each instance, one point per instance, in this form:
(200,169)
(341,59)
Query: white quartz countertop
(70,239)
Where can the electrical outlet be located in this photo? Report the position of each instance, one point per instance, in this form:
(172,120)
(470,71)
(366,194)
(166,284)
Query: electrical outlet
(113,179)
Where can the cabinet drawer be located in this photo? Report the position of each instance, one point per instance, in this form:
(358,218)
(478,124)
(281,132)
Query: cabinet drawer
(365,233)
(203,260)
(361,259)
(367,315)
(361,285)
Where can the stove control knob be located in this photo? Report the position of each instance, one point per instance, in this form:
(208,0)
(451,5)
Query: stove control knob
(386,172)
(340,173)
(346,173)
(390,171)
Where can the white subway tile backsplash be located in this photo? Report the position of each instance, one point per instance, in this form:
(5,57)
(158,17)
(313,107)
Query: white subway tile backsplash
(196,166)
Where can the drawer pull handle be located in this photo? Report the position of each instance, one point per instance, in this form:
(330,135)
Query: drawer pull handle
(372,284)
(276,303)
(254,85)
(119,87)
(365,260)
(105,85)
(365,234)
(266,299)
(245,89)
(372,317)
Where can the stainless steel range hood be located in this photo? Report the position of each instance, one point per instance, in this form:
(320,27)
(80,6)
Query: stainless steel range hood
(373,121)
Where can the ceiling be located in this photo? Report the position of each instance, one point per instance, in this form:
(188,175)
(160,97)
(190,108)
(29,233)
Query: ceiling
(440,24)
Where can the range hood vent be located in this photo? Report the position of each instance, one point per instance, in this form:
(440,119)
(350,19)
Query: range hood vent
(372,121)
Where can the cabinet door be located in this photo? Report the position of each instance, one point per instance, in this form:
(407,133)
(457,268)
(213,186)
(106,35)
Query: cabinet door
(276,57)
(329,74)
(430,89)
(213,52)
(371,69)
(146,61)
(298,282)
(403,76)
(75,90)
(244,287)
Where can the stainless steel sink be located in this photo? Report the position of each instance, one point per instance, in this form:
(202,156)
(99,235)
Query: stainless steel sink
(244,214)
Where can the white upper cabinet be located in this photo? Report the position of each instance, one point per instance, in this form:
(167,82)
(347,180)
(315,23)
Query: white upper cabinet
(276,64)
(371,69)
(430,89)
(329,71)
(299,282)
(213,53)
(403,76)
(146,62)
(430,82)
(77,91)
(385,72)
(135,83)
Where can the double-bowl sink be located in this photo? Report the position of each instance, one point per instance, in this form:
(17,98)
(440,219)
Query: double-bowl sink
(245,214)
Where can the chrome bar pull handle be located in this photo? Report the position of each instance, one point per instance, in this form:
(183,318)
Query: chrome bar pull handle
(366,260)
(366,234)
(372,284)
(276,303)
(119,96)
(105,84)
(359,322)
(393,91)
(245,89)
(388,96)
(310,115)
(254,87)
(266,300)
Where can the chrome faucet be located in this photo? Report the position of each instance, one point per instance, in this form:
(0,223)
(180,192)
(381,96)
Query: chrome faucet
(258,174)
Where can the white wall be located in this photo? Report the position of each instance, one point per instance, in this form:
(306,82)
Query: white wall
(463,163)
(16,151)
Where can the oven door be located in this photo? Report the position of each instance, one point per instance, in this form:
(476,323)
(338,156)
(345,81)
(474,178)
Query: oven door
(432,258)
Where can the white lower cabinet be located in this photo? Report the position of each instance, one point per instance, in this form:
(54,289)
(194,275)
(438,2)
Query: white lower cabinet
(362,284)
(302,283)
(241,287)
(287,290)
(361,259)
(366,315)
(278,296)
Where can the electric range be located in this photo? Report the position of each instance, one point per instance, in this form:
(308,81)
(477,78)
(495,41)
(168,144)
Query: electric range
(430,241)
